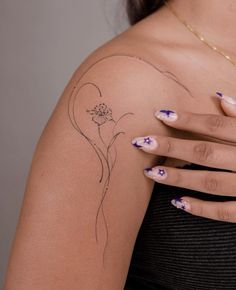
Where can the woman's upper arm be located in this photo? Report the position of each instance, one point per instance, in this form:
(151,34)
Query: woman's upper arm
(86,194)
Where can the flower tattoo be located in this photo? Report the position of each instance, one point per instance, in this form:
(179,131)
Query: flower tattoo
(101,113)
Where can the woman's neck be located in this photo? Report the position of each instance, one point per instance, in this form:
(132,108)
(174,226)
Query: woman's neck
(214,19)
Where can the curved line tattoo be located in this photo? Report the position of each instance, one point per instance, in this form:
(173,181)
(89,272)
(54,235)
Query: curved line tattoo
(102,114)
(99,132)
(75,125)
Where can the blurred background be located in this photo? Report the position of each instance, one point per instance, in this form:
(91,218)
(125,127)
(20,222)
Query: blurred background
(41,45)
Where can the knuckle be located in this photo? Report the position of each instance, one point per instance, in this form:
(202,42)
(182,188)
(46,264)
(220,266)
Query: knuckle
(223,214)
(215,122)
(178,178)
(211,184)
(168,146)
(186,118)
(203,151)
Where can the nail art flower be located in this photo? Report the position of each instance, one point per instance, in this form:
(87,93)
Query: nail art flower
(140,142)
(166,115)
(101,113)
(180,203)
(161,172)
(147,140)
(156,173)
(167,112)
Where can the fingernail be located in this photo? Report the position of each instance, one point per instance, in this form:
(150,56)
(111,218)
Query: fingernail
(166,115)
(180,203)
(228,99)
(158,173)
(146,142)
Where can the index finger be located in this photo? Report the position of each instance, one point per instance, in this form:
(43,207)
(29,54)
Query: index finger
(213,125)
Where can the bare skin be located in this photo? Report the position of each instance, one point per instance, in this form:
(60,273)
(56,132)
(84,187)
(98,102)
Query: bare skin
(218,183)
(205,72)
(66,238)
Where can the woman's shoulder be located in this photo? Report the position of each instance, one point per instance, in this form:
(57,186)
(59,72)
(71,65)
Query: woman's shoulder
(128,73)
(122,50)
(149,42)
(132,63)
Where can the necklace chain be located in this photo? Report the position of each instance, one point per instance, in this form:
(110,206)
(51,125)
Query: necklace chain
(199,36)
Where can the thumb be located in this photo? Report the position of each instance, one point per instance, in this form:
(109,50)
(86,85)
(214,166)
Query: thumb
(228,104)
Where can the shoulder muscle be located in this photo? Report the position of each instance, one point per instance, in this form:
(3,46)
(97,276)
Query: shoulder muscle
(86,193)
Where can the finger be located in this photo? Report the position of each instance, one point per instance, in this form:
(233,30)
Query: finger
(212,182)
(221,211)
(228,104)
(199,152)
(217,126)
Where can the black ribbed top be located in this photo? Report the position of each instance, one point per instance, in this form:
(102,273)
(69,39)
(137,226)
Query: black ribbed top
(177,250)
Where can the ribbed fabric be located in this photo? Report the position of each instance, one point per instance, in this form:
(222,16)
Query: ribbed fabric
(179,251)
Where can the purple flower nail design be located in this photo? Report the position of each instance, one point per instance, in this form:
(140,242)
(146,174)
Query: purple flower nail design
(166,115)
(167,112)
(180,203)
(147,142)
(227,99)
(161,172)
(157,173)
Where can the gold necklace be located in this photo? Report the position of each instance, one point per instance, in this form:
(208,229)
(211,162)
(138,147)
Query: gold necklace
(199,36)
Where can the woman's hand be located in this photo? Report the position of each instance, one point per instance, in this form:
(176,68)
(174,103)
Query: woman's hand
(211,154)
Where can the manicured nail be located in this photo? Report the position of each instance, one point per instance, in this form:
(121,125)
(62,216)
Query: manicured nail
(228,99)
(166,115)
(180,203)
(158,173)
(146,142)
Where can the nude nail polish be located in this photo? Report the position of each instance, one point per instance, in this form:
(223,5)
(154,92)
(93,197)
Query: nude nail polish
(166,115)
(228,99)
(157,173)
(180,203)
(146,142)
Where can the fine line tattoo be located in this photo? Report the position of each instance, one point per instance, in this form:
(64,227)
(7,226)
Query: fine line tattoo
(101,114)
